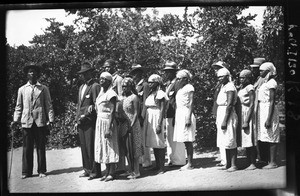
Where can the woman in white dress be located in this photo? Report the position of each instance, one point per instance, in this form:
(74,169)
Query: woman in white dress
(268,125)
(227,119)
(185,121)
(153,123)
(106,136)
(248,135)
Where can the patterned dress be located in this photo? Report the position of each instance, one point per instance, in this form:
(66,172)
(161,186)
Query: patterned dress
(106,149)
(128,108)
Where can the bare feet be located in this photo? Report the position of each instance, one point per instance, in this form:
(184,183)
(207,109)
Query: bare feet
(186,167)
(251,167)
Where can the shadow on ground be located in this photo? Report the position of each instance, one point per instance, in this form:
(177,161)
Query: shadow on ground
(67,170)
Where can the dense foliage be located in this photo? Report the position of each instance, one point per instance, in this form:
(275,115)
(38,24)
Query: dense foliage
(132,35)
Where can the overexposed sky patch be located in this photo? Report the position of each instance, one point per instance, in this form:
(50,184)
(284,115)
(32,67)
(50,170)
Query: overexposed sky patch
(23,25)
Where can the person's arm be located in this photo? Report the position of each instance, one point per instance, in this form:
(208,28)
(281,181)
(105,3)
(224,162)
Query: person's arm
(18,109)
(135,109)
(48,105)
(161,115)
(250,111)
(113,102)
(229,107)
(271,108)
(188,121)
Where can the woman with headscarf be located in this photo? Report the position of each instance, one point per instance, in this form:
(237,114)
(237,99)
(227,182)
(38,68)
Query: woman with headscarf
(106,136)
(268,125)
(153,123)
(133,136)
(248,135)
(227,119)
(185,121)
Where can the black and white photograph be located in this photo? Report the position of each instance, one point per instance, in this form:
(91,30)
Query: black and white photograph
(109,99)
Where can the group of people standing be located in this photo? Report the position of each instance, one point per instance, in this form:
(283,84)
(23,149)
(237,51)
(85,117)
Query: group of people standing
(123,118)
(247,115)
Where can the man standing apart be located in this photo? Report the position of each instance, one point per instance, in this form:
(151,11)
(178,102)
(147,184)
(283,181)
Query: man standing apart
(34,110)
(175,150)
(86,121)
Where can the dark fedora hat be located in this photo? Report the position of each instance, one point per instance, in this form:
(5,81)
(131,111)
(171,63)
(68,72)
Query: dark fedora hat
(86,66)
(32,65)
(136,67)
(170,65)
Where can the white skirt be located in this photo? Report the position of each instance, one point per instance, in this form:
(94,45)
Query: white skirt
(248,136)
(272,134)
(226,138)
(181,132)
(153,140)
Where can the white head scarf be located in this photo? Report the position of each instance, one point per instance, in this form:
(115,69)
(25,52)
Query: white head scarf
(268,66)
(245,73)
(223,72)
(184,73)
(155,78)
(106,75)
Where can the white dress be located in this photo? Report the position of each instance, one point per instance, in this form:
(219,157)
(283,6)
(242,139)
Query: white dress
(248,136)
(226,138)
(272,134)
(106,149)
(154,140)
(181,132)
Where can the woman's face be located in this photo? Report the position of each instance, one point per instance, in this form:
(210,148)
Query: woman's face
(126,88)
(263,73)
(153,85)
(223,79)
(243,80)
(104,82)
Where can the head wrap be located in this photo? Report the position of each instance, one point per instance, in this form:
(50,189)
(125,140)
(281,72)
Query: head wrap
(106,75)
(128,81)
(245,73)
(223,72)
(268,66)
(184,74)
(155,78)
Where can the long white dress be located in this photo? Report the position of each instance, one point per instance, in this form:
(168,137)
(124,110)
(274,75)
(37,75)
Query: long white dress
(106,149)
(181,132)
(154,140)
(226,138)
(272,134)
(248,136)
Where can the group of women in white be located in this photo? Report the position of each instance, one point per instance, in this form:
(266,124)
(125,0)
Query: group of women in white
(257,121)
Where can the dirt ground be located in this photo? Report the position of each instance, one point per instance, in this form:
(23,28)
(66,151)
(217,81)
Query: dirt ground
(64,166)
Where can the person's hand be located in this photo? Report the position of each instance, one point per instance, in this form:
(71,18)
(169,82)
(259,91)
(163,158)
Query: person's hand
(188,122)
(14,125)
(158,129)
(90,109)
(224,126)
(245,126)
(268,124)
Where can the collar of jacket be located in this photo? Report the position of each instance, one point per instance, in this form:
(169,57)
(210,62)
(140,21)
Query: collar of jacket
(37,84)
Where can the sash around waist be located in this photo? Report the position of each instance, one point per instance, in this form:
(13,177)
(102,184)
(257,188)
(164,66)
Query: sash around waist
(103,115)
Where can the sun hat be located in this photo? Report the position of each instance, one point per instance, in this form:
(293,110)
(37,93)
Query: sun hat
(218,65)
(223,72)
